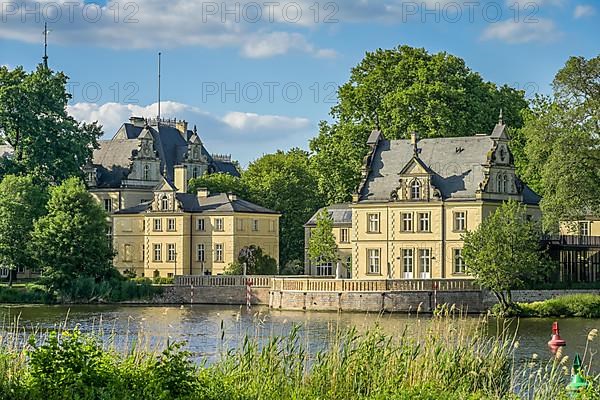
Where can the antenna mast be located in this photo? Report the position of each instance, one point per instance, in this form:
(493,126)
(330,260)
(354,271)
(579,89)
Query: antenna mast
(159,54)
(45,58)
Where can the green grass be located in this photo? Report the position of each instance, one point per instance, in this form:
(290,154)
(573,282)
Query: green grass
(574,305)
(442,358)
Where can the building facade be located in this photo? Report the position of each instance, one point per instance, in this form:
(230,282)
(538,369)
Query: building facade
(178,233)
(125,170)
(418,197)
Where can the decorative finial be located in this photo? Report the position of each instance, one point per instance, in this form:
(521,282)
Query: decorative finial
(500,119)
(195,130)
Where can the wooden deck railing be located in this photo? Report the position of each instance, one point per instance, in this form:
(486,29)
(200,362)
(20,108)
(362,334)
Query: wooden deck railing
(314,284)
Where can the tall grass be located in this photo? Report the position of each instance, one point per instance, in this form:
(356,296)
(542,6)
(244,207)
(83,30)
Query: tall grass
(444,357)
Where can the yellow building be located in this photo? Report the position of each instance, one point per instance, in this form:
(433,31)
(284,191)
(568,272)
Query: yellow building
(418,197)
(177,233)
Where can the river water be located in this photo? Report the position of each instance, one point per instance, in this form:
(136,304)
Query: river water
(210,330)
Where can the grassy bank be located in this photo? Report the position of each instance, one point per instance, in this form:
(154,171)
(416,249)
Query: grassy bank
(575,305)
(446,359)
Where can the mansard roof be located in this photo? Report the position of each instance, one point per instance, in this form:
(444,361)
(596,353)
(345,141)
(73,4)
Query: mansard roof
(113,157)
(457,165)
(340,213)
(217,202)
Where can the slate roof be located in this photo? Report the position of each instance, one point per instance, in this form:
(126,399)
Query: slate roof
(217,202)
(457,164)
(113,157)
(341,214)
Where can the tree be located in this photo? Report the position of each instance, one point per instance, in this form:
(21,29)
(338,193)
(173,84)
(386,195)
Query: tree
(46,141)
(321,245)
(562,144)
(256,262)
(219,183)
(71,240)
(285,182)
(21,203)
(402,90)
(503,253)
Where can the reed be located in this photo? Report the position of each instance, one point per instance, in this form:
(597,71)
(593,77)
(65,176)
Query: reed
(444,357)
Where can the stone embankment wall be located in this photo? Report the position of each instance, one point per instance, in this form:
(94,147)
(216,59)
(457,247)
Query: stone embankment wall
(390,301)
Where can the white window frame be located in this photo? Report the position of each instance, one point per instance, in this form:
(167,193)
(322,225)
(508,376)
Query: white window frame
(219,225)
(157,254)
(324,268)
(373,223)
(255,225)
(415,190)
(200,225)
(171,252)
(171,224)
(108,205)
(219,252)
(584,228)
(458,261)
(200,252)
(425,263)
(424,222)
(157,225)
(407,222)
(374,261)
(460,221)
(408,263)
(164,203)
(344,235)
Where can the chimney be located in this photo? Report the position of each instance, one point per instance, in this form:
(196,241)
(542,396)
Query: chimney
(414,139)
(231,196)
(202,193)
(137,121)
(181,180)
(182,127)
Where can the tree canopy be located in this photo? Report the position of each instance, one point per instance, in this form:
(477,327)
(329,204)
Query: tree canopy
(220,183)
(321,245)
(402,90)
(503,253)
(71,240)
(47,142)
(21,203)
(562,143)
(257,263)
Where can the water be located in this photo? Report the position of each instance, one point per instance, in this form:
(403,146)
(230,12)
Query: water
(210,330)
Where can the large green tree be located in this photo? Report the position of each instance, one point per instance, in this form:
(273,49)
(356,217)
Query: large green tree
(71,240)
(46,140)
(284,182)
(220,183)
(402,90)
(21,203)
(503,253)
(562,143)
(321,245)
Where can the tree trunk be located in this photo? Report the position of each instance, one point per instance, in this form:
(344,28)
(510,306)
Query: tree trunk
(10,277)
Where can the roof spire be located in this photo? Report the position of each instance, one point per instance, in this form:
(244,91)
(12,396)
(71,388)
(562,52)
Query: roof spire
(45,33)
(500,119)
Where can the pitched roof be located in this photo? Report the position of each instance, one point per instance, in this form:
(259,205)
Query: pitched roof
(341,214)
(217,202)
(457,164)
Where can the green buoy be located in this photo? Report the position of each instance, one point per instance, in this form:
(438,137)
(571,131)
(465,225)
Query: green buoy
(578,382)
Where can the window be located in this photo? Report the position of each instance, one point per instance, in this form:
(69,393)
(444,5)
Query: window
(459,263)
(157,252)
(219,224)
(344,235)
(505,184)
(219,252)
(164,203)
(460,221)
(157,224)
(200,225)
(255,225)
(240,224)
(146,176)
(127,252)
(407,222)
(407,263)
(200,254)
(195,173)
(584,228)
(108,205)
(91,176)
(374,261)
(373,223)
(171,225)
(500,181)
(424,222)
(425,263)
(415,190)
(271,226)
(324,268)
(171,253)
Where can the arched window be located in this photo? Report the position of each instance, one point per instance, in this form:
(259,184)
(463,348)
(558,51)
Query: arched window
(164,203)
(415,190)
(500,182)
(505,187)
(146,172)
(195,172)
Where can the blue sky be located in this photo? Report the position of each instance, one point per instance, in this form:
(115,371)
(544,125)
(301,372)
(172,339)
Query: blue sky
(258,76)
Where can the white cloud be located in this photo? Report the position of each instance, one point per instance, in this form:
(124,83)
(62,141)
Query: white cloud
(243,134)
(583,10)
(515,32)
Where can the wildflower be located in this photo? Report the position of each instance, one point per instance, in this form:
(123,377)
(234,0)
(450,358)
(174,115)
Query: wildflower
(516,344)
(593,333)
(565,370)
(534,356)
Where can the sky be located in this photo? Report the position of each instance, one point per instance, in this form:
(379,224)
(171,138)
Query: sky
(258,76)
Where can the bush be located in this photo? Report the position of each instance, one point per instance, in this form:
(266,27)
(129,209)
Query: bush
(32,294)
(161,280)
(574,305)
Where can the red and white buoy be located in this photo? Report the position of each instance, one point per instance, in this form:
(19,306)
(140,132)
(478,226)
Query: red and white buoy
(556,341)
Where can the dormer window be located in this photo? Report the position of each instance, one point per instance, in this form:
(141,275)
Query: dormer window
(415,190)
(505,183)
(195,172)
(164,203)
(146,172)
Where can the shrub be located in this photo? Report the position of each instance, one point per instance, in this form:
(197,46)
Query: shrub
(575,305)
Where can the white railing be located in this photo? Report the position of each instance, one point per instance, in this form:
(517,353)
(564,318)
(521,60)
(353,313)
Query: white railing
(222,280)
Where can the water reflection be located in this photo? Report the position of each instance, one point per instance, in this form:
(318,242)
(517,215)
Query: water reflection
(211,330)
